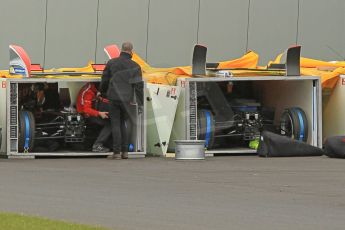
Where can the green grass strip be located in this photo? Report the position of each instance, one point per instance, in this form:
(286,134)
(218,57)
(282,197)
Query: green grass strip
(11,221)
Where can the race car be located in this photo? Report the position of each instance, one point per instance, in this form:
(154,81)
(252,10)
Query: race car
(47,121)
(229,116)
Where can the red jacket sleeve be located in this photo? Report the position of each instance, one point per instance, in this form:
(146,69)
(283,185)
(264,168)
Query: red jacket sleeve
(88,97)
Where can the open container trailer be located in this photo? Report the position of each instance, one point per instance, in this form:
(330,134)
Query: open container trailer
(229,112)
(26,135)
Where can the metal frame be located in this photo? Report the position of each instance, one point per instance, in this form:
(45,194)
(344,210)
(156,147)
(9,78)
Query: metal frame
(12,122)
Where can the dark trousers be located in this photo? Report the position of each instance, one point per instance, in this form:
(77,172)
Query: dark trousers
(104,136)
(121,122)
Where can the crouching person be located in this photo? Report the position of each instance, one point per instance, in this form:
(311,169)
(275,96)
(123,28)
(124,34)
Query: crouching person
(87,97)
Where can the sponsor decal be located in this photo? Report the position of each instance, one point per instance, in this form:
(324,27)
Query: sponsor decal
(173,91)
(17,70)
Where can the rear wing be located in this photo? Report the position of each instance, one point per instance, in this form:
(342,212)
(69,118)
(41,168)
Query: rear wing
(292,57)
(199,60)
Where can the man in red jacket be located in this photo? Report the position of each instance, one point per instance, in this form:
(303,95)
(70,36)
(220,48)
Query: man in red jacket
(86,98)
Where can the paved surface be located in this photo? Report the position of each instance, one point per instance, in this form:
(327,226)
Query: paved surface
(237,192)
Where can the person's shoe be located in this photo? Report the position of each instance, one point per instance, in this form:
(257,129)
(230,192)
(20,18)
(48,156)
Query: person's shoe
(117,156)
(99,148)
(124,155)
(114,156)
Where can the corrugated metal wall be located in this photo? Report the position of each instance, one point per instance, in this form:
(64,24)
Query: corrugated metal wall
(60,33)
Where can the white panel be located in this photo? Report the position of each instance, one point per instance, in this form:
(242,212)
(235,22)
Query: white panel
(121,21)
(272,27)
(161,114)
(334,111)
(277,94)
(3,125)
(172,32)
(223,28)
(71,33)
(321,29)
(22,23)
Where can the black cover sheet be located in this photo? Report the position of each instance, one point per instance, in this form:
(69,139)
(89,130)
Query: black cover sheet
(274,145)
(335,147)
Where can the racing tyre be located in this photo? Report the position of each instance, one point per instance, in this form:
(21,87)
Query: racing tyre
(26,129)
(294,124)
(206,127)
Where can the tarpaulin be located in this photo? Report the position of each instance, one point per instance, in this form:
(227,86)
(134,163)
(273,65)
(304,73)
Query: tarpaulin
(165,76)
(249,60)
(328,71)
(168,76)
(6,74)
(88,69)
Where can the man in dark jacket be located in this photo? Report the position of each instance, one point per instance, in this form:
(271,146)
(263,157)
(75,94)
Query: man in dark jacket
(116,85)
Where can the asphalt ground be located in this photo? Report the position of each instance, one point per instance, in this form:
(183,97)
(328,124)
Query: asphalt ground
(233,192)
